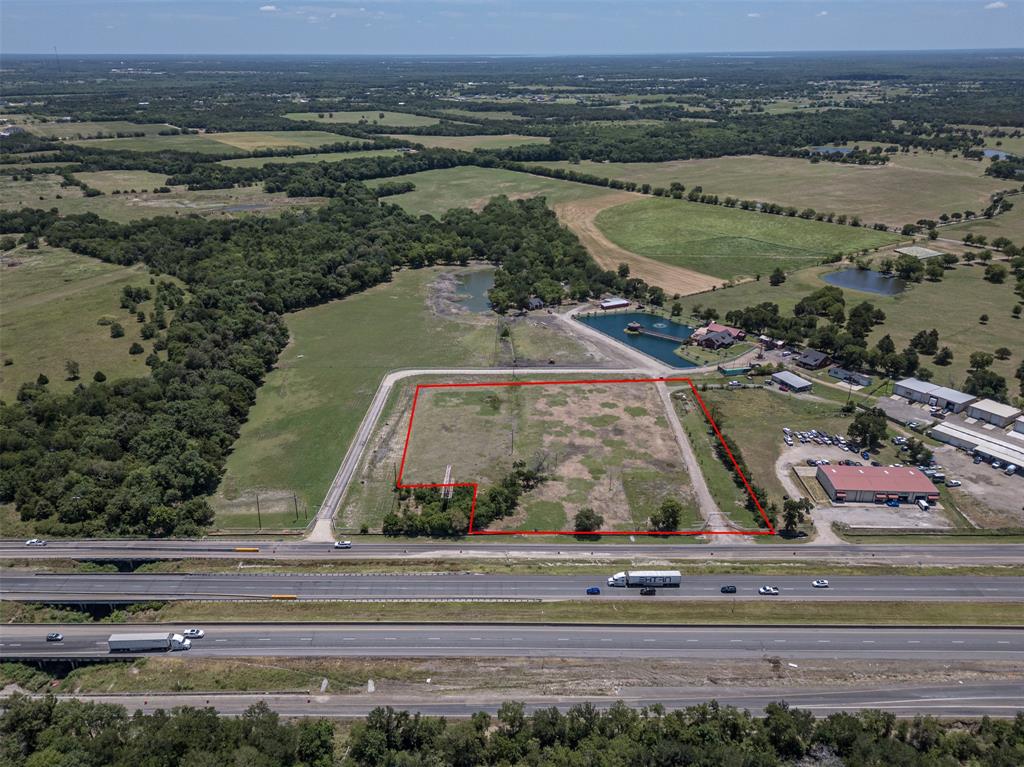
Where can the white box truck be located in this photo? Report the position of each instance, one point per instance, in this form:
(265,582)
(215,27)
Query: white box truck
(641,578)
(148,642)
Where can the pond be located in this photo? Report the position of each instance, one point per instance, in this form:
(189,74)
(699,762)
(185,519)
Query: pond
(865,280)
(663,349)
(999,154)
(832,149)
(473,287)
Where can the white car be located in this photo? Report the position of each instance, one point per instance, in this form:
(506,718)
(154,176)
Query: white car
(35,542)
(953,483)
(821,583)
(193,633)
(343,544)
(768,591)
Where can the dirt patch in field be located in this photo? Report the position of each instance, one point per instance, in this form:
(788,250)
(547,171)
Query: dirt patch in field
(580,216)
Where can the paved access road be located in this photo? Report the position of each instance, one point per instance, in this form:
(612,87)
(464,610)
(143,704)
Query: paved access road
(219,548)
(556,641)
(973,699)
(124,587)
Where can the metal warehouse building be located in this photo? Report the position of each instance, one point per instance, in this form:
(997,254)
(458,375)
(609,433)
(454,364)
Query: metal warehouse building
(876,484)
(793,381)
(993,412)
(916,390)
(996,445)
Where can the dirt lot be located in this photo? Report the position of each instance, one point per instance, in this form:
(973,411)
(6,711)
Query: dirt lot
(608,447)
(1000,498)
(579,216)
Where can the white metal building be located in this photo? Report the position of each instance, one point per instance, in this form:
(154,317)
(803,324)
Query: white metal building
(995,413)
(614,303)
(990,446)
(1018,425)
(792,381)
(916,390)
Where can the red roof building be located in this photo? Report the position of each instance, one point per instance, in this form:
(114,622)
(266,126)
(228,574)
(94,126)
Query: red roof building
(876,484)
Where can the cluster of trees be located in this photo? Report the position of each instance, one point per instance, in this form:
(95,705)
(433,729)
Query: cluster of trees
(37,732)
(47,732)
(140,455)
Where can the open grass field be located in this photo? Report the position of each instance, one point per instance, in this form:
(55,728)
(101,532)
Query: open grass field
(108,181)
(469,187)
(469,143)
(311,404)
(249,141)
(1012,144)
(86,130)
(471,116)
(909,187)
(259,162)
(187,143)
(1009,224)
(372,116)
(604,446)
(921,307)
(52,300)
(728,243)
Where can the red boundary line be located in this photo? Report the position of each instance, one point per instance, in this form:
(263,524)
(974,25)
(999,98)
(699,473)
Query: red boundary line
(472,509)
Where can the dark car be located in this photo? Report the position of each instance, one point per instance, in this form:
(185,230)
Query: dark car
(55,637)
(728,589)
(593,590)
(648,591)
(866,455)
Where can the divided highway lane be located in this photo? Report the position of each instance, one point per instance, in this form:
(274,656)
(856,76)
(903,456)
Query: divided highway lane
(564,641)
(217,548)
(119,587)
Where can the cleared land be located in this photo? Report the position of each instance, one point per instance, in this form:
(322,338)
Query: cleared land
(259,162)
(108,181)
(468,143)
(1009,224)
(472,116)
(728,243)
(52,300)
(237,142)
(86,130)
(188,143)
(908,187)
(603,446)
(311,404)
(249,141)
(372,116)
(907,313)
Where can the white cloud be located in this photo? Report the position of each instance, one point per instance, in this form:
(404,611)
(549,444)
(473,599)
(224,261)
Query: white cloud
(753,15)
(268,8)
(995,6)
(823,13)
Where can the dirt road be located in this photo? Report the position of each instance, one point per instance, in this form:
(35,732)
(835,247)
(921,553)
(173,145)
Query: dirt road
(580,217)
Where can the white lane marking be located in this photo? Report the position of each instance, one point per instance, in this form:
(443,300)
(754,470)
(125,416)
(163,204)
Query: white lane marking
(220,640)
(735,641)
(305,639)
(780,641)
(348,639)
(824,641)
(263,639)
(867,641)
(913,641)
(650,640)
(1002,641)
(434,639)
(606,640)
(563,639)
(958,641)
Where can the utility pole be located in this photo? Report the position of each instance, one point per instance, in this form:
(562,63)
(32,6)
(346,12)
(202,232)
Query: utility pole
(295,503)
(259,519)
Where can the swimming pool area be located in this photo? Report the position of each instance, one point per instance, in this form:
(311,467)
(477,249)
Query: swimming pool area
(661,348)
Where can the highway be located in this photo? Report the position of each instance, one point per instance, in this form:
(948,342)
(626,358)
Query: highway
(238,549)
(973,699)
(126,587)
(553,641)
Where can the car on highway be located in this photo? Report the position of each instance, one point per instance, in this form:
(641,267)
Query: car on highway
(193,633)
(35,542)
(343,544)
(768,591)
(648,591)
(55,636)
(728,589)
(593,590)
(820,583)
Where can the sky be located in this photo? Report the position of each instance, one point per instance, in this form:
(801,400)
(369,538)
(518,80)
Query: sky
(539,27)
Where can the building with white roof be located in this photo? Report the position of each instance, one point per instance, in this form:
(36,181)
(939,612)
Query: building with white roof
(916,390)
(918,252)
(995,413)
(995,446)
(792,381)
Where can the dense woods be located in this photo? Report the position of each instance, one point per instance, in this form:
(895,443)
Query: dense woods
(139,455)
(46,732)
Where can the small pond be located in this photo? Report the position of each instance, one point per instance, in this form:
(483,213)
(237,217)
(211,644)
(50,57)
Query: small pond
(473,287)
(832,149)
(999,154)
(663,349)
(865,280)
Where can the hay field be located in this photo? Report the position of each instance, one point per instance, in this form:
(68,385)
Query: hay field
(372,116)
(468,143)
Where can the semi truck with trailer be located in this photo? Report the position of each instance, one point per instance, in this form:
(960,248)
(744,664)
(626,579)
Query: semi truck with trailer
(148,642)
(644,578)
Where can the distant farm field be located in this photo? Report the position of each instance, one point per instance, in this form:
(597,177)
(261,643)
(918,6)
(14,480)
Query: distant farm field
(249,141)
(468,143)
(189,143)
(371,116)
(728,243)
(259,162)
(909,187)
(86,130)
(1009,224)
(52,300)
(470,187)
(922,307)
(108,181)
(470,115)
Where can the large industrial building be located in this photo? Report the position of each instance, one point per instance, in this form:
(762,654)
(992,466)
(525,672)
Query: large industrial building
(995,413)
(996,445)
(916,390)
(876,484)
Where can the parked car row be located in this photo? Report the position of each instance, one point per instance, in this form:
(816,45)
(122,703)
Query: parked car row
(789,436)
(1009,469)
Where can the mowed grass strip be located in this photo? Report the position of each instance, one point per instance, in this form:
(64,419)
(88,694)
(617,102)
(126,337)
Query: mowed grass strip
(665,612)
(371,116)
(468,143)
(259,162)
(727,242)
